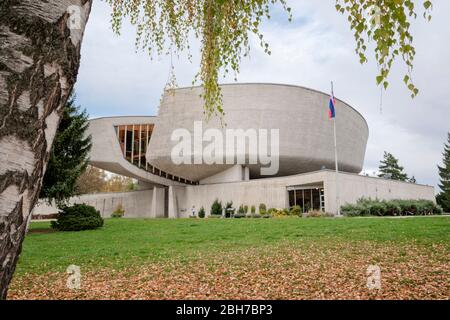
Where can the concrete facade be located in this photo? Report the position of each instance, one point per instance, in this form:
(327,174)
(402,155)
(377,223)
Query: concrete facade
(306,155)
(300,115)
(177,201)
(137,204)
(274,191)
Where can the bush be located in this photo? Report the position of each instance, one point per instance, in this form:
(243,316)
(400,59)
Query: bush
(351,210)
(316,214)
(216,208)
(245,209)
(278,213)
(368,207)
(241,209)
(253,210)
(78,217)
(262,208)
(201,213)
(239,215)
(296,211)
(119,212)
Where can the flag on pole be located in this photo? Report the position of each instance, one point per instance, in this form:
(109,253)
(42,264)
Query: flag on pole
(332,110)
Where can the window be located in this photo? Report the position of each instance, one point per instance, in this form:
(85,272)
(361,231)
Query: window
(133,141)
(308,198)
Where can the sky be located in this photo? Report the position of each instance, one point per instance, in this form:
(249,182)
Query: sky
(316,47)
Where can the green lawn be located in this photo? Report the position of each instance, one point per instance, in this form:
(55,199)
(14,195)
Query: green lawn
(123,242)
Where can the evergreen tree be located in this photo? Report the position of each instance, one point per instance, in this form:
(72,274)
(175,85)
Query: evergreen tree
(443,198)
(69,155)
(389,168)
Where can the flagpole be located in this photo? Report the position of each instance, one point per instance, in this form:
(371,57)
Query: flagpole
(336,159)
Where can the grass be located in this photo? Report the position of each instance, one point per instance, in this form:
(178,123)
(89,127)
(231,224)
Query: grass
(288,258)
(122,242)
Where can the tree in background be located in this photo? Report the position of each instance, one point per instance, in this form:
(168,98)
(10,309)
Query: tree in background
(95,180)
(443,198)
(92,180)
(40,56)
(69,155)
(117,183)
(389,168)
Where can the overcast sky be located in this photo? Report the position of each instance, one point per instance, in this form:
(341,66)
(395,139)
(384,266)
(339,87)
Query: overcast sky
(315,48)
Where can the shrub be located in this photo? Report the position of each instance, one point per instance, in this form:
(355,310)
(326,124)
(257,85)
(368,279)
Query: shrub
(438,210)
(279,212)
(239,215)
(241,209)
(295,211)
(351,210)
(262,208)
(245,209)
(201,213)
(318,214)
(216,208)
(253,210)
(78,217)
(368,207)
(119,212)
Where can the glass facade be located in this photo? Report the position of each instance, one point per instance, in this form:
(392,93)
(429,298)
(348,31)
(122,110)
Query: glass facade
(134,140)
(307,198)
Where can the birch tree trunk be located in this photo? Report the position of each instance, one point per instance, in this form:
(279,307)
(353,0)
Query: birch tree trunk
(39,59)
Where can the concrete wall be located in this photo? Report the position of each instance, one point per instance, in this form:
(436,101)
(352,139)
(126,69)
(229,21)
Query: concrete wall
(353,187)
(137,204)
(273,191)
(234,174)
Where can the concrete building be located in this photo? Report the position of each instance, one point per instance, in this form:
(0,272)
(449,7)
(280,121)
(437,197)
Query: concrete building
(301,143)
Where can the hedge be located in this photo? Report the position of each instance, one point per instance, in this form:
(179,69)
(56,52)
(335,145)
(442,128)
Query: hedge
(368,207)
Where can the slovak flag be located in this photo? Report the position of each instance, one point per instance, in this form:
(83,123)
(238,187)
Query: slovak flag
(332,111)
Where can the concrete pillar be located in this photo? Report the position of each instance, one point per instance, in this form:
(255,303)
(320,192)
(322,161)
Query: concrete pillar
(246,174)
(173,207)
(157,203)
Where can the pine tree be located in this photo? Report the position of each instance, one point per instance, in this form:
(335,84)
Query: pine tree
(389,168)
(69,155)
(443,198)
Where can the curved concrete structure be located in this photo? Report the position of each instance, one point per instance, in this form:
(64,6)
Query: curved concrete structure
(300,114)
(107,154)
